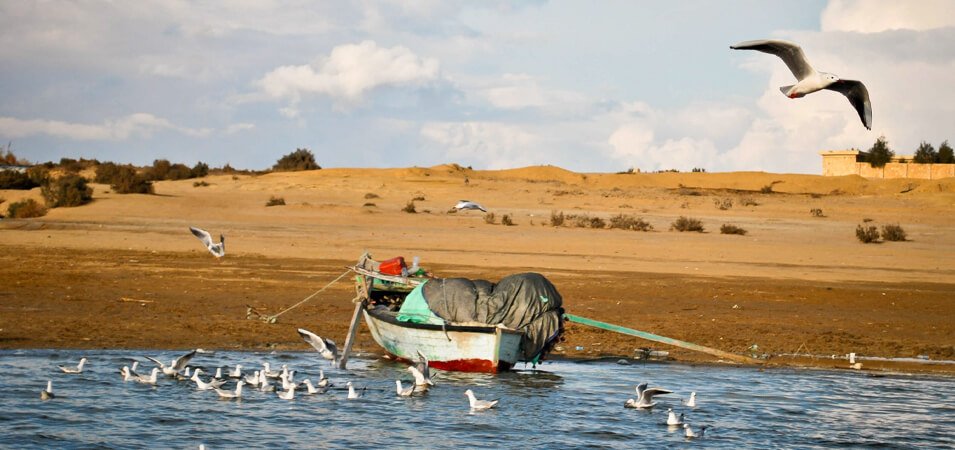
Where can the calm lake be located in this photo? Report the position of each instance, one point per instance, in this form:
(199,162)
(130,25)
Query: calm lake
(560,405)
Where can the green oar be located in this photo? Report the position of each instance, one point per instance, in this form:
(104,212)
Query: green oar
(661,339)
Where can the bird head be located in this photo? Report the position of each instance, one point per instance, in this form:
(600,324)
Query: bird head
(830,77)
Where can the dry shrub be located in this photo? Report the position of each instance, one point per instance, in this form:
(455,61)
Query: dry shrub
(275,201)
(489,218)
(723,203)
(867,234)
(409,207)
(727,228)
(418,198)
(816,212)
(748,201)
(200,184)
(68,190)
(300,159)
(26,209)
(506,220)
(625,222)
(893,233)
(557,218)
(768,189)
(371,195)
(597,222)
(687,224)
(369,205)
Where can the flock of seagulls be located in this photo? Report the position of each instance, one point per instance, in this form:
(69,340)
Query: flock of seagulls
(645,401)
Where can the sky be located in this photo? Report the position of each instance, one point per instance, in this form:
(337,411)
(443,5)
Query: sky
(588,86)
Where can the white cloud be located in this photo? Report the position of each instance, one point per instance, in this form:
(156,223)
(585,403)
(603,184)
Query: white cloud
(139,124)
(350,71)
(635,143)
(238,128)
(519,91)
(872,16)
(490,145)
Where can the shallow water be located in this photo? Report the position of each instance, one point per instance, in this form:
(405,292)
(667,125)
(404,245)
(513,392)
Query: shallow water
(561,405)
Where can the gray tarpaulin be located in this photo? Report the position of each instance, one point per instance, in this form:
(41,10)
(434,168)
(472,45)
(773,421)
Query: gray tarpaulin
(526,302)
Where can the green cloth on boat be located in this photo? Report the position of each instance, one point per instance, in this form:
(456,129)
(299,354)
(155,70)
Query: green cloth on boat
(415,308)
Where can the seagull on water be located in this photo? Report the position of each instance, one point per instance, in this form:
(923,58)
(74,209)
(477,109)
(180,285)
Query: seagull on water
(237,373)
(419,378)
(352,395)
(202,385)
(808,79)
(690,434)
(217,249)
(645,397)
(692,401)
(324,346)
(672,419)
(231,395)
(286,395)
(479,404)
(467,204)
(311,389)
(404,391)
(322,379)
(77,369)
(176,365)
(151,379)
(267,371)
(47,393)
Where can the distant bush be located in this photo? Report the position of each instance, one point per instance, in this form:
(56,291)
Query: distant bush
(369,205)
(200,184)
(723,203)
(880,154)
(70,165)
(925,154)
(275,201)
(867,234)
(687,224)
(418,198)
(506,220)
(26,209)
(556,218)
(300,159)
(748,201)
(768,189)
(371,195)
(200,170)
(68,190)
(597,222)
(625,222)
(893,233)
(409,207)
(698,169)
(489,218)
(12,179)
(945,154)
(123,179)
(731,229)
(816,212)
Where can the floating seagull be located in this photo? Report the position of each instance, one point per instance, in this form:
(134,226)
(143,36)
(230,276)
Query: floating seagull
(404,391)
(237,373)
(252,380)
(47,393)
(809,80)
(151,379)
(691,435)
(230,395)
(672,419)
(419,378)
(311,388)
(645,397)
(202,385)
(286,395)
(692,401)
(352,395)
(324,346)
(77,369)
(467,204)
(217,250)
(322,379)
(218,375)
(266,386)
(267,371)
(126,373)
(176,365)
(479,404)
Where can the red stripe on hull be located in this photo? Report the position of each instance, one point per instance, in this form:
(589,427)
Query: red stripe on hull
(467,365)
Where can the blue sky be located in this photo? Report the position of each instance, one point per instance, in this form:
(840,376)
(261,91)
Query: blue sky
(588,86)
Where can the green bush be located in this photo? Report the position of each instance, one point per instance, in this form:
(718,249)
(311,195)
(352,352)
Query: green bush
(687,224)
(945,154)
(925,154)
(12,179)
(880,154)
(893,233)
(26,209)
(731,229)
(68,190)
(125,180)
(200,170)
(867,234)
(300,159)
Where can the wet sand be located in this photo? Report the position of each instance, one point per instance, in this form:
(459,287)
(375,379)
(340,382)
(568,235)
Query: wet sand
(124,272)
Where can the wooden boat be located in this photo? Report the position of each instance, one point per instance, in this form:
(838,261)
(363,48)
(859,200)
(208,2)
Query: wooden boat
(456,347)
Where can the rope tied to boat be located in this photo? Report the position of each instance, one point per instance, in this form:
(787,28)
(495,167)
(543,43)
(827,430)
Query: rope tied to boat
(274,318)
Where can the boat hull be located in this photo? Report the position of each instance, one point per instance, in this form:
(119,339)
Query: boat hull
(456,348)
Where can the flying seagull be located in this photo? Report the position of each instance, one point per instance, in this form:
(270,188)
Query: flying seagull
(645,397)
(467,204)
(324,346)
(808,79)
(77,369)
(479,404)
(217,249)
(419,378)
(176,365)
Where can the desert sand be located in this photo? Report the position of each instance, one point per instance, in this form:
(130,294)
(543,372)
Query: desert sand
(124,271)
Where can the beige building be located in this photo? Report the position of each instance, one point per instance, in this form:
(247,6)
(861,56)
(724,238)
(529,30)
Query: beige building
(848,162)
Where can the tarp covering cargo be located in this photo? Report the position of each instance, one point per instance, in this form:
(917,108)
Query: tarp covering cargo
(526,302)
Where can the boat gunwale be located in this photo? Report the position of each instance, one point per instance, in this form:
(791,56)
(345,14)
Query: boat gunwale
(388,318)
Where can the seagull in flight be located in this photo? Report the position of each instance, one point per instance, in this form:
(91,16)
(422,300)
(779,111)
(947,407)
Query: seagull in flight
(467,204)
(419,378)
(479,404)
(77,369)
(324,346)
(176,365)
(47,393)
(645,397)
(808,79)
(217,249)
